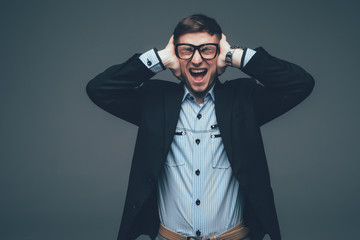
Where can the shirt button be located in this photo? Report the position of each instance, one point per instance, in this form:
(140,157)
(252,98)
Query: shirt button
(192,98)
(197,202)
(197,172)
(197,141)
(199,116)
(149,63)
(198,233)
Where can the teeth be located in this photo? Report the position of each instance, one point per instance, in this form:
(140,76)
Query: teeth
(198,70)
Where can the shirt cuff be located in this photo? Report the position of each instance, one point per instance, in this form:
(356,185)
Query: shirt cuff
(249,53)
(152,61)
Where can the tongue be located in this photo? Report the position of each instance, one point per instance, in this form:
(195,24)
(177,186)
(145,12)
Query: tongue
(198,76)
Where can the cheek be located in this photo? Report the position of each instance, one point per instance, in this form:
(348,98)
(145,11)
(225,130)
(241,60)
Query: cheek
(213,67)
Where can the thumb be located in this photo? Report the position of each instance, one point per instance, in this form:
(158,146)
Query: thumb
(176,73)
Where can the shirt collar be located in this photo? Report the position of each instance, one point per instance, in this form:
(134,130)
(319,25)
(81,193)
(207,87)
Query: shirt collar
(187,94)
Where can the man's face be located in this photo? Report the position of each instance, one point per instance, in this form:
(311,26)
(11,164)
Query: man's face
(197,73)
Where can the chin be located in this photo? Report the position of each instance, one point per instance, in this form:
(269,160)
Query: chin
(199,89)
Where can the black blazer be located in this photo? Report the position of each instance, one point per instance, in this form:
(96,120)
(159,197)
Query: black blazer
(241,106)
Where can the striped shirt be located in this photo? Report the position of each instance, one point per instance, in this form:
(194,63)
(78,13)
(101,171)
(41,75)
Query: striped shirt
(197,192)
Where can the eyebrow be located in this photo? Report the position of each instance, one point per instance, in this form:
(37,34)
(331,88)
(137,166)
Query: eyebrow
(197,45)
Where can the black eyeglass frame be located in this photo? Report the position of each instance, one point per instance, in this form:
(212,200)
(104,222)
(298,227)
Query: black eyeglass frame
(196,48)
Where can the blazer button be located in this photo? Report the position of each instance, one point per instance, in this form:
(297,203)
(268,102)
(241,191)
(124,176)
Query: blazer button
(197,172)
(198,233)
(197,202)
(197,141)
(199,116)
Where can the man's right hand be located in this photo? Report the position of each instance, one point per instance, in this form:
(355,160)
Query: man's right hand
(169,58)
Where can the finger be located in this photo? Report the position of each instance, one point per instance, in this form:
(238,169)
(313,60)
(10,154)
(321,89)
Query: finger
(171,41)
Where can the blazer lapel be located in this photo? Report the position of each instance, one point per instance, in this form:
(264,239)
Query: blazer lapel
(223,106)
(172,107)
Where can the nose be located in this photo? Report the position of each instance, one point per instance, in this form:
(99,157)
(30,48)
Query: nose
(196,59)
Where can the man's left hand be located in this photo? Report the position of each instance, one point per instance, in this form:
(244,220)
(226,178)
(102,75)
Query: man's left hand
(236,56)
(224,47)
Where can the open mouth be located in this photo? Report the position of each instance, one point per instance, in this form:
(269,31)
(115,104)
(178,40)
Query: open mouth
(198,73)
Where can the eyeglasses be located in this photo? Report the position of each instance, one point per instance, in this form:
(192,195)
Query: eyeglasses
(186,51)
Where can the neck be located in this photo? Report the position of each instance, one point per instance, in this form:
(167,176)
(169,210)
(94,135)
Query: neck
(200,100)
(199,96)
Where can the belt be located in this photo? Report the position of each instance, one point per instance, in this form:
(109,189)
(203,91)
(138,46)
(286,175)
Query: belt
(235,233)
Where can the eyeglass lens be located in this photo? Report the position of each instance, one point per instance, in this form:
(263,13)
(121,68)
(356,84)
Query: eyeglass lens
(206,51)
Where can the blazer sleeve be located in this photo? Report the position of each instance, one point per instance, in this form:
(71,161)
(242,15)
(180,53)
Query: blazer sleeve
(119,89)
(281,85)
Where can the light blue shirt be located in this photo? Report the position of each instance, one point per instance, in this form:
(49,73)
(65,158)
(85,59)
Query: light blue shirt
(197,192)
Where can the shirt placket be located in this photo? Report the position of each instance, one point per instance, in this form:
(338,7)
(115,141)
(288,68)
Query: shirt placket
(197,157)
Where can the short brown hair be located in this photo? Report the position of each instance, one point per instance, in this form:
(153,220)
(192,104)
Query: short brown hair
(197,23)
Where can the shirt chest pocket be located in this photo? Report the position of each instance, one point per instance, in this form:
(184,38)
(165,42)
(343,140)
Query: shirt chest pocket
(179,150)
(218,154)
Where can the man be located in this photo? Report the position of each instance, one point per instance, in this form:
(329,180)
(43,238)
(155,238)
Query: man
(199,169)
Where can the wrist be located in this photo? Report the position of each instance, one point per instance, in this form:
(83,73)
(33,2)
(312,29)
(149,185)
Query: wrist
(165,57)
(233,56)
(236,58)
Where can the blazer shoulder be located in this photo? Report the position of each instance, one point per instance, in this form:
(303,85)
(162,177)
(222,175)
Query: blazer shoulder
(240,84)
(155,85)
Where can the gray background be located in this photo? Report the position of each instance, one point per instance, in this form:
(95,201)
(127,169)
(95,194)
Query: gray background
(64,163)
